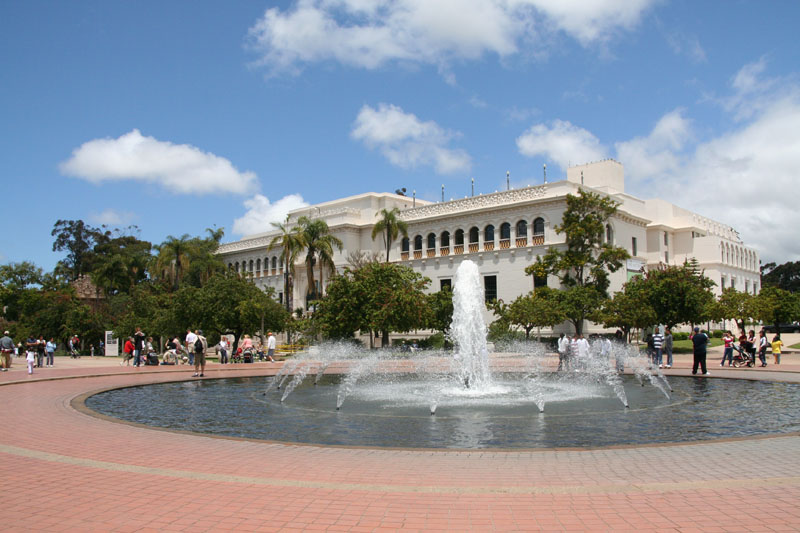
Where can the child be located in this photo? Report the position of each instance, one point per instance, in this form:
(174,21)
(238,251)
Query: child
(776,348)
(31,359)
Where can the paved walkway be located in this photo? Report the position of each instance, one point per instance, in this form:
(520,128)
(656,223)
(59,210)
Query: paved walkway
(63,469)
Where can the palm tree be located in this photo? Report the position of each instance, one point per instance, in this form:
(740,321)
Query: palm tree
(390,226)
(319,244)
(173,258)
(290,241)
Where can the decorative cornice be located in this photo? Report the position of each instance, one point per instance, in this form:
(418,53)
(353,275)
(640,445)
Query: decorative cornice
(474,202)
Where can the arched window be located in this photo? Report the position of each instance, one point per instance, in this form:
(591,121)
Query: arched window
(473,234)
(522,228)
(505,230)
(236,267)
(444,241)
(488,233)
(274,263)
(609,234)
(404,244)
(251,265)
(258,265)
(418,242)
(280,263)
(431,241)
(538,226)
(459,237)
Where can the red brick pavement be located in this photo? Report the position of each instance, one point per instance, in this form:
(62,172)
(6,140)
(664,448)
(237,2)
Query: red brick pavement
(62,469)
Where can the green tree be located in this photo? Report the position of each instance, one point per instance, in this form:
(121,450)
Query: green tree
(734,305)
(173,259)
(785,276)
(78,240)
(583,266)
(776,306)
(629,308)
(441,310)
(120,263)
(390,226)
(319,245)
(679,295)
(290,241)
(537,309)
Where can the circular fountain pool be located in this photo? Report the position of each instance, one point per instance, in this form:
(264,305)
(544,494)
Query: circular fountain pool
(394,411)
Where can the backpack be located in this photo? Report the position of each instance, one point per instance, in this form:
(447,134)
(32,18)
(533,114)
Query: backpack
(198,346)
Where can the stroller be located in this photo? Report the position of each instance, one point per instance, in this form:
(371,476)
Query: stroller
(743,357)
(242,356)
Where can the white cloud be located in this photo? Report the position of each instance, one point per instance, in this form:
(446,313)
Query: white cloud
(659,152)
(562,143)
(179,168)
(261,212)
(112,217)
(370,34)
(408,142)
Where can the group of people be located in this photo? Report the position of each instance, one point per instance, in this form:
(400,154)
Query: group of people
(658,346)
(749,345)
(191,350)
(573,352)
(39,352)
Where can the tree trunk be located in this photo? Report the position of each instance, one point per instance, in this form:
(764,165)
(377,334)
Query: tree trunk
(385,339)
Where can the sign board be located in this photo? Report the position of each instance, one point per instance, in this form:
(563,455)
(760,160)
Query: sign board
(634,265)
(112,345)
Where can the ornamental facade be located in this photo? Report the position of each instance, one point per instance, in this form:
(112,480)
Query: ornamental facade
(504,232)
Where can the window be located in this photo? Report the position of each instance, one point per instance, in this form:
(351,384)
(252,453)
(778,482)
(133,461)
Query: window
(666,239)
(490,288)
(666,257)
(505,230)
(418,243)
(473,234)
(459,237)
(274,263)
(431,241)
(522,228)
(445,284)
(722,283)
(404,244)
(539,282)
(733,283)
(258,265)
(251,265)
(609,234)
(634,248)
(746,285)
(280,297)
(488,233)
(445,240)
(237,266)
(538,226)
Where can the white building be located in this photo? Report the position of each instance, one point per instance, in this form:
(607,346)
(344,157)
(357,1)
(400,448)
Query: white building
(504,232)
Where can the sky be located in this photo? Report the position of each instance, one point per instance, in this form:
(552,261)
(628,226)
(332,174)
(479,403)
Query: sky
(189,114)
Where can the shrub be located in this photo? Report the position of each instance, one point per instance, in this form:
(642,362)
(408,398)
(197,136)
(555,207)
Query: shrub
(680,336)
(717,333)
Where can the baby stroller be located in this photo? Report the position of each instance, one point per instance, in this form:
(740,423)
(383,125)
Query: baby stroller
(741,357)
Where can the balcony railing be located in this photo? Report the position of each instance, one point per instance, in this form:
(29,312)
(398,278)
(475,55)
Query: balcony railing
(505,244)
(488,246)
(458,249)
(473,247)
(431,252)
(403,256)
(274,271)
(417,254)
(522,241)
(444,250)
(537,240)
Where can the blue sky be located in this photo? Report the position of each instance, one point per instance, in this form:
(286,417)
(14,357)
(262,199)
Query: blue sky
(183,115)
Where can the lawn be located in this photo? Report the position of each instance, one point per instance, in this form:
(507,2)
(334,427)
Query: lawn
(686,346)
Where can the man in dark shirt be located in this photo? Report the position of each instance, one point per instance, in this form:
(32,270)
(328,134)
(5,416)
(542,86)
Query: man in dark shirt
(138,345)
(700,344)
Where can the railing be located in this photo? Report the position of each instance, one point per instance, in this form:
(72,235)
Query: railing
(403,256)
(537,240)
(473,247)
(505,244)
(417,254)
(458,249)
(274,271)
(522,241)
(488,246)
(431,252)
(444,251)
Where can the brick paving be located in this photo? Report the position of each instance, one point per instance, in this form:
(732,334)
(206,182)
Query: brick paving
(63,469)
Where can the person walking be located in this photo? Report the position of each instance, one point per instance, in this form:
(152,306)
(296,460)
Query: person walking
(699,349)
(200,347)
(6,349)
(191,338)
(271,342)
(728,353)
(562,346)
(762,347)
(777,345)
(223,350)
(127,352)
(668,346)
(138,346)
(50,350)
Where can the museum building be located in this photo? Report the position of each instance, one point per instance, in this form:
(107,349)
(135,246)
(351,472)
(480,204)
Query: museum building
(503,232)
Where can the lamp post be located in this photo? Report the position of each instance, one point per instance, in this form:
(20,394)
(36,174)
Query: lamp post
(508,180)
(544,169)
(473,186)
(442,192)
(414,199)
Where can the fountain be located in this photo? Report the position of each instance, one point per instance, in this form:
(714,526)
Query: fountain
(338,394)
